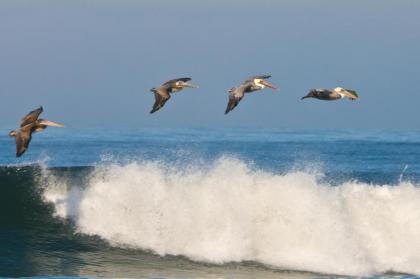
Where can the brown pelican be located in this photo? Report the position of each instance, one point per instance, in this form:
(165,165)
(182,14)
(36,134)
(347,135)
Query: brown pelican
(162,93)
(330,95)
(250,85)
(30,124)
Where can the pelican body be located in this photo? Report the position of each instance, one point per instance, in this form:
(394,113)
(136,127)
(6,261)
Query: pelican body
(331,95)
(162,93)
(250,85)
(30,124)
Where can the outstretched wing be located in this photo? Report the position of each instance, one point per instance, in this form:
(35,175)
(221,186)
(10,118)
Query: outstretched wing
(161,97)
(235,96)
(233,102)
(23,138)
(184,79)
(323,94)
(31,117)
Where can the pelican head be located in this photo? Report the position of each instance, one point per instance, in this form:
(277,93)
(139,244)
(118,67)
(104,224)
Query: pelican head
(12,133)
(184,84)
(262,83)
(345,93)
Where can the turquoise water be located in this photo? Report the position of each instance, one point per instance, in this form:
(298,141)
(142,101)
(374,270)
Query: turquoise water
(211,203)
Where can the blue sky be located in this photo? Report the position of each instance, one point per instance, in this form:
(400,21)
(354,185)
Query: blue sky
(92,63)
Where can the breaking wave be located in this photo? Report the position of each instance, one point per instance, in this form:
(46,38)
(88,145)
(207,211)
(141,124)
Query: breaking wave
(228,211)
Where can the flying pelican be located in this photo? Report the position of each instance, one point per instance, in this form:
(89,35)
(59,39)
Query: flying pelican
(162,93)
(250,85)
(330,95)
(30,124)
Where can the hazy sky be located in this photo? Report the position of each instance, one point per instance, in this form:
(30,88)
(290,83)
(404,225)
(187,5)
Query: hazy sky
(92,63)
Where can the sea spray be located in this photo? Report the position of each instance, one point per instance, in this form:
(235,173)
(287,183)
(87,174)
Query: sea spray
(226,211)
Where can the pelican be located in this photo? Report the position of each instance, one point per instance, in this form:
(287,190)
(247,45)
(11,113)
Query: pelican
(30,124)
(250,85)
(330,95)
(162,93)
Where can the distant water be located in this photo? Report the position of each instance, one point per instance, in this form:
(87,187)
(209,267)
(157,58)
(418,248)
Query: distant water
(211,203)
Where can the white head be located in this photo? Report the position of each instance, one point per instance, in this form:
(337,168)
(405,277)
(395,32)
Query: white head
(340,91)
(262,83)
(258,82)
(183,84)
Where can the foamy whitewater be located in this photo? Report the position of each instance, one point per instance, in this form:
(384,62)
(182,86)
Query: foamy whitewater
(211,203)
(229,211)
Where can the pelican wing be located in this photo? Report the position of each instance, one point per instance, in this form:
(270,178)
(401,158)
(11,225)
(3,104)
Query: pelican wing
(161,97)
(23,138)
(233,102)
(325,94)
(169,82)
(31,117)
(235,96)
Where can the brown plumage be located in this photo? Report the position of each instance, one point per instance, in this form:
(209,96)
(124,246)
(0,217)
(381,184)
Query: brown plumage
(250,85)
(162,93)
(30,124)
(331,95)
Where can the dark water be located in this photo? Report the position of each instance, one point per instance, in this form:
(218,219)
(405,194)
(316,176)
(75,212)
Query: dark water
(61,204)
(33,243)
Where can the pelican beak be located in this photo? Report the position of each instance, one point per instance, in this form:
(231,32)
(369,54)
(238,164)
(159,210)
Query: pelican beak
(351,96)
(305,97)
(51,123)
(190,85)
(269,85)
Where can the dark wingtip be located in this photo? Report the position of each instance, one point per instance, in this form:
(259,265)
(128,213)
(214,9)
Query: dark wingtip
(153,110)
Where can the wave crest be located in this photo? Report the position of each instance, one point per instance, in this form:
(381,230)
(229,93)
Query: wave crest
(229,212)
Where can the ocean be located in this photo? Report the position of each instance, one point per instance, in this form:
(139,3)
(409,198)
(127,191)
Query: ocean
(211,203)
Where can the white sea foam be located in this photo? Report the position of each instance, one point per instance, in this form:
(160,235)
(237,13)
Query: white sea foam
(228,212)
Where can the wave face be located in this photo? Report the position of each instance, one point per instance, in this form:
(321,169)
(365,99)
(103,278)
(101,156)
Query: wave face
(228,211)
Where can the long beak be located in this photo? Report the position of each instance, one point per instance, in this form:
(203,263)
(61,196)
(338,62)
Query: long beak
(51,123)
(269,85)
(352,96)
(186,84)
(305,97)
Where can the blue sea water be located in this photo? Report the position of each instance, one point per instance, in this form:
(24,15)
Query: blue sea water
(211,203)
